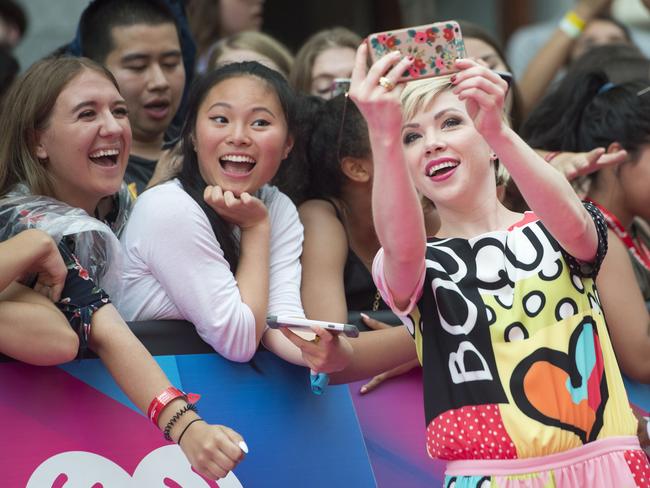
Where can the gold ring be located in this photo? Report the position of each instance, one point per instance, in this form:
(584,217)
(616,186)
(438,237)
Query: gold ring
(386,83)
(316,339)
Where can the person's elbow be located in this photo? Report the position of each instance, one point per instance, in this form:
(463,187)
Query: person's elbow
(61,349)
(239,355)
(237,344)
(634,361)
(638,369)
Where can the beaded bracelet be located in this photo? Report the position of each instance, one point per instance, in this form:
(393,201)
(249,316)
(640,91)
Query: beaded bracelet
(174,419)
(185,429)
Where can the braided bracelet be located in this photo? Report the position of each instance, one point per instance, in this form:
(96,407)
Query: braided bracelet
(185,429)
(174,419)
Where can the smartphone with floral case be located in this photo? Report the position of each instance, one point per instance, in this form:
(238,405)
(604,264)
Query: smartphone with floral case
(435,47)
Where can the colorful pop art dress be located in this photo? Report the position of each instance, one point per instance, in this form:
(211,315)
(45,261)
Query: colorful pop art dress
(521,385)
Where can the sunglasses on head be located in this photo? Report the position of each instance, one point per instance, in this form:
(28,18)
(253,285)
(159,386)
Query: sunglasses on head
(340,85)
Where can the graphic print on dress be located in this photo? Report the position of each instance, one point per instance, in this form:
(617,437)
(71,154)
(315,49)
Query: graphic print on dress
(578,381)
(459,364)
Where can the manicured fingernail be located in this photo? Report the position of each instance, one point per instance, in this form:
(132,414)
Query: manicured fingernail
(242,445)
(410,58)
(364,315)
(363,389)
(453,78)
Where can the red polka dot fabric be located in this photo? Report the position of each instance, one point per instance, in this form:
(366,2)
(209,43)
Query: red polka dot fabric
(470,432)
(638,464)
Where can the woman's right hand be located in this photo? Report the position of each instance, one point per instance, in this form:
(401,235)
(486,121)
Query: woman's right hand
(380,106)
(245,211)
(213,450)
(48,265)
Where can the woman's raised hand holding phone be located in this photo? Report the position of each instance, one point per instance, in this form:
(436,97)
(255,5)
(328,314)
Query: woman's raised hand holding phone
(376,92)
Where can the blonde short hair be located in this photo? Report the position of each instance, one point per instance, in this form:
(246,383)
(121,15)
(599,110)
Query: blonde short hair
(419,94)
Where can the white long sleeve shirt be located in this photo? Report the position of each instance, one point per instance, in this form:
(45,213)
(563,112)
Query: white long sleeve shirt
(174,268)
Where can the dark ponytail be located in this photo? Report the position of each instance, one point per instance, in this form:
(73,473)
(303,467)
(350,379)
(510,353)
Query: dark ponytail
(587,111)
(554,123)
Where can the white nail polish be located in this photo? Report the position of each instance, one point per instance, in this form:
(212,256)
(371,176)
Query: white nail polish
(242,445)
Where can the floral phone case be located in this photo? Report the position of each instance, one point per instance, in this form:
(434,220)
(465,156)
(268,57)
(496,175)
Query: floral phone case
(435,47)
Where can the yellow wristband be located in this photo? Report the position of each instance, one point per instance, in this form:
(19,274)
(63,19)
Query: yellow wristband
(575,19)
(572,25)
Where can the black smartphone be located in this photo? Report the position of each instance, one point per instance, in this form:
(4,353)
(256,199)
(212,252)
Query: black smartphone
(505,75)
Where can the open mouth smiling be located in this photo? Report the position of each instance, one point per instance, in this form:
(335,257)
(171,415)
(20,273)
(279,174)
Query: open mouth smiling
(436,169)
(105,157)
(237,164)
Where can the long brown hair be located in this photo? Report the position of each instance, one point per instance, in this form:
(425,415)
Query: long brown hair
(26,112)
(301,73)
(205,23)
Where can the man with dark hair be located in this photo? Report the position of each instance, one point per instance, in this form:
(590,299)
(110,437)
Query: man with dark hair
(138,41)
(13,23)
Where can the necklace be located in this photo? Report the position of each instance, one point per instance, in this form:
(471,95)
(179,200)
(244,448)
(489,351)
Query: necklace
(636,247)
(375,302)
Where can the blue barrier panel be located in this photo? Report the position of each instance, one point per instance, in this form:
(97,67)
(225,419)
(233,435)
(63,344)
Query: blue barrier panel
(71,426)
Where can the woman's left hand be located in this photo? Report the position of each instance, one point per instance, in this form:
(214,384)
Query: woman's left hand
(213,450)
(484,93)
(386,375)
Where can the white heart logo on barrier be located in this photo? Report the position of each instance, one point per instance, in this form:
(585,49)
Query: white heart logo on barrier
(166,466)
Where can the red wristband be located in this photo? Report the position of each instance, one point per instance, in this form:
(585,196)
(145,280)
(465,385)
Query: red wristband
(161,401)
(551,155)
(169,394)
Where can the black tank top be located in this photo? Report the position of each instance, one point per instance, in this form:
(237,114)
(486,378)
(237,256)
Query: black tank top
(360,291)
